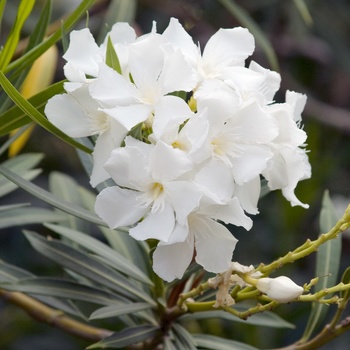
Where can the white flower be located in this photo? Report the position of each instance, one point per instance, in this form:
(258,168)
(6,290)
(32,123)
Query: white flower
(281,289)
(146,98)
(226,48)
(78,115)
(290,163)
(151,189)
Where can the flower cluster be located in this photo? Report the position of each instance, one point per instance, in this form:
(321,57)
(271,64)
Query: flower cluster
(185,135)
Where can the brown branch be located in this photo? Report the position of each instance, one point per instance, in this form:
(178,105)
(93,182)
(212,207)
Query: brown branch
(53,317)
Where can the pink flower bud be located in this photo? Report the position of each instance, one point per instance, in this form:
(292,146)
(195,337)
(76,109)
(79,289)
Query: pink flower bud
(281,289)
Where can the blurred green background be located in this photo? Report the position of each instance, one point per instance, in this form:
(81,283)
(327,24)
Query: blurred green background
(311,43)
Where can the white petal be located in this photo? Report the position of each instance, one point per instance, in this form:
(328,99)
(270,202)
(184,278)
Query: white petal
(179,234)
(251,163)
(127,172)
(248,195)
(130,116)
(272,81)
(168,163)
(66,113)
(118,207)
(184,197)
(228,47)
(169,112)
(156,225)
(297,101)
(177,74)
(214,244)
(112,89)
(252,125)
(83,54)
(122,33)
(177,35)
(171,261)
(102,151)
(145,64)
(230,213)
(216,177)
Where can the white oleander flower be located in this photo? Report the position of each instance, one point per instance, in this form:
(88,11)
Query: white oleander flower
(185,135)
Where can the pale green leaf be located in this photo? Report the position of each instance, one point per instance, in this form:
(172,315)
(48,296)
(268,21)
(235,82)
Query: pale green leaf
(184,337)
(128,336)
(6,54)
(346,279)
(265,319)
(112,59)
(84,265)
(61,288)
(212,342)
(50,198)
(66,188)
(327,263)
(117,310)
(26,216)
(116,260)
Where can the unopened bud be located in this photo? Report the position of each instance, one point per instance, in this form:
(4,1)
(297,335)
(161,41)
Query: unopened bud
(281,289)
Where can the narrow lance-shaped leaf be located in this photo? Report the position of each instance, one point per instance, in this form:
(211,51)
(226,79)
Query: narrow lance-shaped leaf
(51,199)
(15,117)
(24,10)
(118,310)
(61,288)
(126,337)
(84,265)
(118,261)
(327,263)
(34,114)
(212,342)
(112,59)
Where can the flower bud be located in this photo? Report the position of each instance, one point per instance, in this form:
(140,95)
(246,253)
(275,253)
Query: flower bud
(281,289)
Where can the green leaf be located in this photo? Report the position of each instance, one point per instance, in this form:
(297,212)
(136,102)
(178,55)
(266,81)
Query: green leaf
(63,186)
(15,117)
(216,343)
(61,288)
(10,273)
(2,8)
(84,265)
(112,59)
(35,115)
(116,260)
(247,21)
(50,198)
(345,279)
(304,11)
(128,336)
(117,310)
(266,319)
(26,216)
(21,165)
(28,58)
(133,250)
(6,54)
(327,263)
(184,338)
